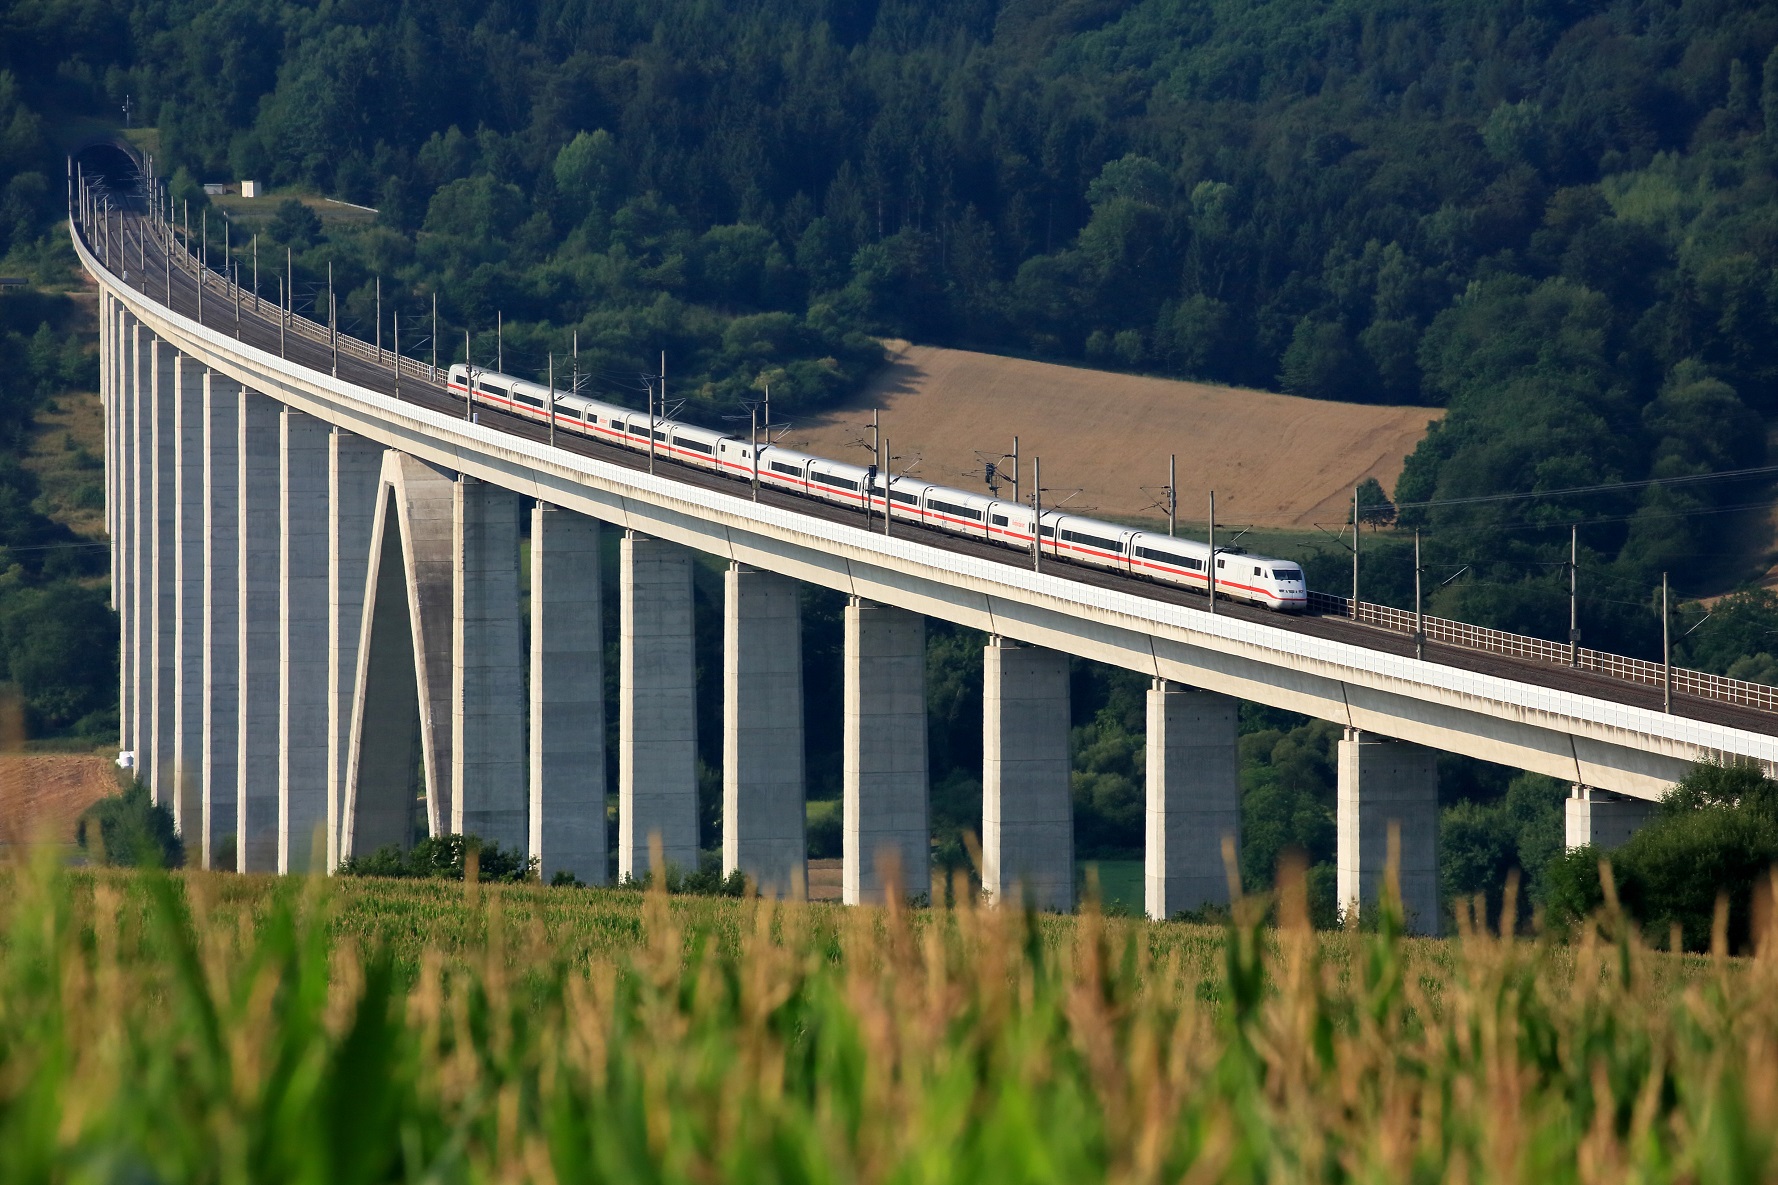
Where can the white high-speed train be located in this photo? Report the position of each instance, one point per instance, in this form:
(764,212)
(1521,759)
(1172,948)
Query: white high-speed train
(1261,580)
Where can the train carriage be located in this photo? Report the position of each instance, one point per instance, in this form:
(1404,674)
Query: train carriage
(1261,580)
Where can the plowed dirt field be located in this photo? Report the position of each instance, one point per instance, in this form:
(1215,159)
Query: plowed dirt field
(1273,460)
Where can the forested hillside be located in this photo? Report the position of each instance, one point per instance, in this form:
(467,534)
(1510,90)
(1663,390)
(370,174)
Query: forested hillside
(1556,219)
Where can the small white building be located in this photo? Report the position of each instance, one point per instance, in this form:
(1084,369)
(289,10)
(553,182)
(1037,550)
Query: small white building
(215,188)
(249,189)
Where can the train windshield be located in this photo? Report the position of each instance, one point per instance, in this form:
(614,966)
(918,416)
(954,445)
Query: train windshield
(1287,574)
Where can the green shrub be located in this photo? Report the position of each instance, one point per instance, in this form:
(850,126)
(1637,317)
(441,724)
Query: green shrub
(129,830)
(445,857)
(1716,834)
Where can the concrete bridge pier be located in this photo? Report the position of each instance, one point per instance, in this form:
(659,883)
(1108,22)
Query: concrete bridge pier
(354,471)
(1384,783)
(487,672)
(1604,819)
(567,749)
(304,511)
(887,793)
(763,785)
(124,539)
(657,758)
(1194,798)
(188,599)
(1027,804)
(221,616)
(162,524)
(259,505)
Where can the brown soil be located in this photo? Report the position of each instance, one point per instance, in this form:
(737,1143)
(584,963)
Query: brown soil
(826,881)
(43,795)
(1274,460)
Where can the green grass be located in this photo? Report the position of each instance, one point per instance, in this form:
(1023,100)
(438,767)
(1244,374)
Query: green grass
(1118,882)
(214,1028)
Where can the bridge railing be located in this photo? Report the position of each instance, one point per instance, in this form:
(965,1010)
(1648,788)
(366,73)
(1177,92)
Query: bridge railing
(216,282)
(1618,666)
(1442,630)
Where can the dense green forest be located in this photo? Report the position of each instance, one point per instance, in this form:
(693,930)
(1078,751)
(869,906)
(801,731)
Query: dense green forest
(1557,220)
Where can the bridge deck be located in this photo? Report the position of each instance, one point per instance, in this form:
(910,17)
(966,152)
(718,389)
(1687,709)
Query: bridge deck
(261,330)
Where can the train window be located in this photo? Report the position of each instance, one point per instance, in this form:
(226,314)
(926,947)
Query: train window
(791,470)
(999,520)
(1287,574)
(696,446)
(844,483)
(660,434)
(1048,532)
(1186,562)
(1257,572)
(1092,541)
(905,499)
(530,401)
(952,508)
(1222,563)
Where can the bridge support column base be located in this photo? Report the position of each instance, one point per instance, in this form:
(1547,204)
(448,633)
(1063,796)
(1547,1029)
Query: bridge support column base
(762,726)
(1388,785)
(1027,807)
(487,676)
(887,831)
(302,703)
(258,504)
(188,604)
(567,757)
(222,616)
(1194,798)
(1604,819)
(657,760)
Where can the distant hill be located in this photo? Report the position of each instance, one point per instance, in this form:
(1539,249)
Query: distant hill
(1274,460)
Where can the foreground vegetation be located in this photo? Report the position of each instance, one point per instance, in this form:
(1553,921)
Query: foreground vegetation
(232,1029)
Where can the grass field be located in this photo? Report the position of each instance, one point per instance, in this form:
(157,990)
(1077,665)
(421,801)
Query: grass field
(209,1028)
(1272,459)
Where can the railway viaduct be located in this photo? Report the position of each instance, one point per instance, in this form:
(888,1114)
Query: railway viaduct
(316,563)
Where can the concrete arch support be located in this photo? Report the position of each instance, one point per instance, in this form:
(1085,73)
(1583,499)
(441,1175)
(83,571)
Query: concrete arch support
(657,759)
(1194,798)
(763,786)
(354,473)
(886,829)
(1385,785)
(222,615)
(1027,808)
(259,505)
(399,740)
(567,719)
(487,671)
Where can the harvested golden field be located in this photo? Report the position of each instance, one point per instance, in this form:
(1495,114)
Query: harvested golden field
(42,795)
(1275,460)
